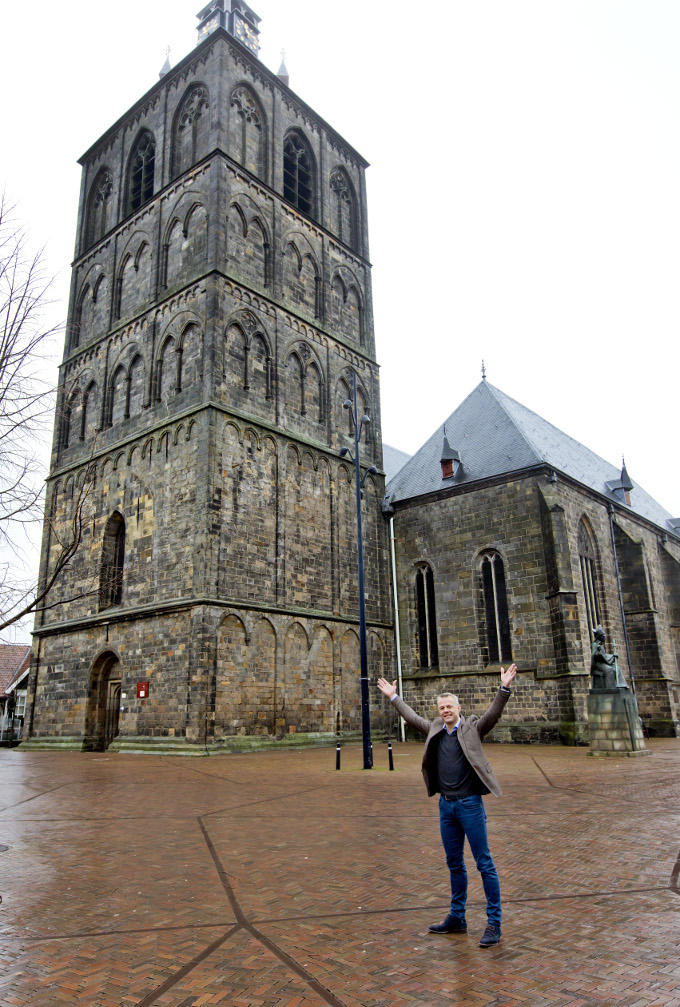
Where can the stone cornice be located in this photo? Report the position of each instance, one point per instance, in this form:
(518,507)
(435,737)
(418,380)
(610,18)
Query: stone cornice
(518,474)
(136,612)
(200,166)
(193,289)
(168,421)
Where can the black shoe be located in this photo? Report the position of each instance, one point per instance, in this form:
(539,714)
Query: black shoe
(491,936)
(451,925)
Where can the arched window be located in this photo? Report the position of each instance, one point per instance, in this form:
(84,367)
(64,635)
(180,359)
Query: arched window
(66,418)
(189,358)
(141,168)
(428,652)
(247,134)
(89,416)
(314,395)
(113,557)
(166,371)
(81,314)
(587,555)
(99,207)
(295,385)
(190,134)
(343,208)
(495,609)
(298,173)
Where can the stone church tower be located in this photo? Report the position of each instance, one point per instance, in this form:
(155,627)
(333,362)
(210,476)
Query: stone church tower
(220,300)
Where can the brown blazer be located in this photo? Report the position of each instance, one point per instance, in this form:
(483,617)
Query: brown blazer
(470,733)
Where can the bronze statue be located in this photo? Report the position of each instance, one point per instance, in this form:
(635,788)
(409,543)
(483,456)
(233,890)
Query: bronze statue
(604,667)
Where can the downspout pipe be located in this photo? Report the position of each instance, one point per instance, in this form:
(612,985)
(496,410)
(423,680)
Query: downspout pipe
(620,589)
(397,636)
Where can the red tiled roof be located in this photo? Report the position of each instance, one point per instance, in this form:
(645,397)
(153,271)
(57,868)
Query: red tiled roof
(13,661)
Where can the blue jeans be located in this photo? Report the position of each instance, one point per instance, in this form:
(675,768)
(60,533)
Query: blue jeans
(458,819)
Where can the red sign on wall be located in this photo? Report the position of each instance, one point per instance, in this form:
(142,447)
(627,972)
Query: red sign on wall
(142,690)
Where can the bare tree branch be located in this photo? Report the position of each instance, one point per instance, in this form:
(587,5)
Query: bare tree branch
(26,404)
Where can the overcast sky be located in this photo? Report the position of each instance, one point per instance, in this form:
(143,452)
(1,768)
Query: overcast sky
(524,188)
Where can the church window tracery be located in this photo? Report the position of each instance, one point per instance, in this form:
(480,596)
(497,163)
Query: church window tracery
(344,208)
(298,173)
(428,650)
(99,207)
(498,645)
(190,138)
(587,555)
(247,131)
(141,169)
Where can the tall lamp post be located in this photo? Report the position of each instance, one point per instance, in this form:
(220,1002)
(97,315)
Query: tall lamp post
(357,428)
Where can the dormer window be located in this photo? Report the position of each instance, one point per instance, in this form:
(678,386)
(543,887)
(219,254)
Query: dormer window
(621,487)
(450,460)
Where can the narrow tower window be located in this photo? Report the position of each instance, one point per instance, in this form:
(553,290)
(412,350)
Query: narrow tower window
(99,208)
(141,172)
(344,208)
(113,556)
(247,135)
(189,142)
(298,176)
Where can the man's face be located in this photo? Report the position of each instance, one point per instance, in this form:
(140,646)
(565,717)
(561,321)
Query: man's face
(449,710)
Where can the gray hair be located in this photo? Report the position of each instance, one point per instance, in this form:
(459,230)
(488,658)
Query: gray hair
(449,695)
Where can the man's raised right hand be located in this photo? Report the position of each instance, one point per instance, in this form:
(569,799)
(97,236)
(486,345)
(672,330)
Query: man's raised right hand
(387,689)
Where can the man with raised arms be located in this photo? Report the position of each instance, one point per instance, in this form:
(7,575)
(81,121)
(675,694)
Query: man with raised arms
(456,768)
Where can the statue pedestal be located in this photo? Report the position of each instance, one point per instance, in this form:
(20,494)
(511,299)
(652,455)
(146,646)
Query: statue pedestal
(614,724)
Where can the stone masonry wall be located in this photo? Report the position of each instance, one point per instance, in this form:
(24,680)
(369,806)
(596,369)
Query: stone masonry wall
(534,523)
(211,335)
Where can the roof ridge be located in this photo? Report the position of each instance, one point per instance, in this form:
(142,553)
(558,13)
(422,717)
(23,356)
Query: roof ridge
(527,440)
(562,433)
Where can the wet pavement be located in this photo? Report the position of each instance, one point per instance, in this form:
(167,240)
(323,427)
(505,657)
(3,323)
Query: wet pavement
(271,879)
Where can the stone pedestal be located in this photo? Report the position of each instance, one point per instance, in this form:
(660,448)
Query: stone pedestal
(613,723)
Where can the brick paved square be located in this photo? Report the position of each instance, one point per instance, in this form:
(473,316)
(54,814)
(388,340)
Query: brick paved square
(270,880)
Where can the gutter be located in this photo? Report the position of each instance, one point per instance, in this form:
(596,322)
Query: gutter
(397,635)
(620,589)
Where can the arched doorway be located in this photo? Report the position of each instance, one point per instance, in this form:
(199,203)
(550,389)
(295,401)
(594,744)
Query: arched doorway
(103,704)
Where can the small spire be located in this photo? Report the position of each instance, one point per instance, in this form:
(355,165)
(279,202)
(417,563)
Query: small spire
(450,458)
(166,66)
(483,371)
(283,70)
(626,482)
(621,487)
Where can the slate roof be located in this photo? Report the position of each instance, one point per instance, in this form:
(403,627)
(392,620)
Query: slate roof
(496,436)
(393,461)
(13,661)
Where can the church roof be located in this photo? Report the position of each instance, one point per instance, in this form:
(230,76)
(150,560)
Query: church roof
(393,461)
(494,435)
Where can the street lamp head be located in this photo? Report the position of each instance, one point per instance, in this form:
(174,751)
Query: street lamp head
(365,418)
(347,404)
(343,452)
(372,471)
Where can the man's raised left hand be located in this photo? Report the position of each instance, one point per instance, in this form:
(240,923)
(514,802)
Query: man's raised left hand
(507,676)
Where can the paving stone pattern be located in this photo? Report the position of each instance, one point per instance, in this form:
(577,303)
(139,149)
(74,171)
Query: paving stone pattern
(270,880)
